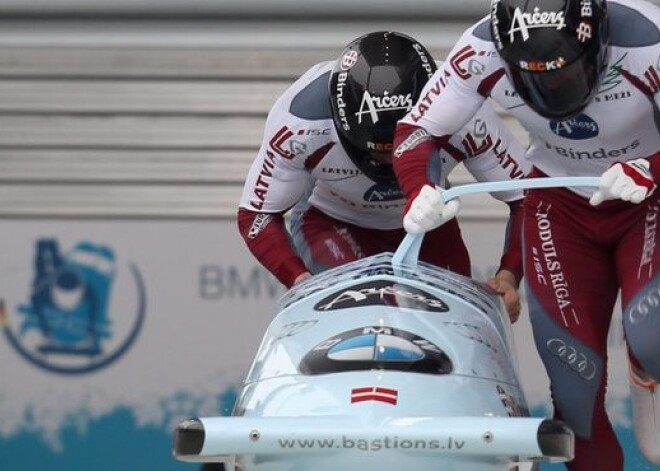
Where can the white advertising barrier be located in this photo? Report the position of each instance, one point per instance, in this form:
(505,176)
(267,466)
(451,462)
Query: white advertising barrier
(117,330)
(155,318)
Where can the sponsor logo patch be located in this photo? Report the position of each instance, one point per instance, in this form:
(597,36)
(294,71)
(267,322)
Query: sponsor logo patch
(420,135)
(382,293)
(348,60)
(522,22)
(577,128)
(258,225)
(373,105)
(383,193)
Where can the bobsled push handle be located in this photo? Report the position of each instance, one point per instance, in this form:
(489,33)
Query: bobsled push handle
(407,253)
(224,439)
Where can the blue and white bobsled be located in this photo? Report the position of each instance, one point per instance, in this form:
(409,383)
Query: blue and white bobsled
(384,364)
(363,369)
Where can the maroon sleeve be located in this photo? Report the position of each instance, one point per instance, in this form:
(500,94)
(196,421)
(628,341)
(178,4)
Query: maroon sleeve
(512,257)
(268,240)
(413,149)
(654,164)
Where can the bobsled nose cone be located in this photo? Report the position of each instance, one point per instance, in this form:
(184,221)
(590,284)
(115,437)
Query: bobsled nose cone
(189,438)
(556,440)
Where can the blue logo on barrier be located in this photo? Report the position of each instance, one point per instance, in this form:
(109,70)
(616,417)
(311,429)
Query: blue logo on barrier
(66,325)
(577,128)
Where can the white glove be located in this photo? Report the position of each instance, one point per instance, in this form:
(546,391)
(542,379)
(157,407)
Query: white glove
(428,210)
(628,181)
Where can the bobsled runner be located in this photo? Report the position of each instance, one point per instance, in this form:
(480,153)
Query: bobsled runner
(383,364)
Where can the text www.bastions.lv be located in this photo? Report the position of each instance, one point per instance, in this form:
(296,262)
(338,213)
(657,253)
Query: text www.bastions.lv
(374,444)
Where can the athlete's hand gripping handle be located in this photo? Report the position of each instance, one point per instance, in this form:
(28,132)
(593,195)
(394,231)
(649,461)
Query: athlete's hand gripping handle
(428,210)
(408,252)
(628,181)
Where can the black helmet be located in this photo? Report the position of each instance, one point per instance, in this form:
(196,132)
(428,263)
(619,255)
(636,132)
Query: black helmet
(554,50)
(374,83)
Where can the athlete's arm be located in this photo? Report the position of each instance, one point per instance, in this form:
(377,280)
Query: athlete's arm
(511,259)
(449,100)
(505,285)
(277,180)
(268,240)
(636,179)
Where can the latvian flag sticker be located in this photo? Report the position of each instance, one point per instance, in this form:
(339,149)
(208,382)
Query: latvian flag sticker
(389,396)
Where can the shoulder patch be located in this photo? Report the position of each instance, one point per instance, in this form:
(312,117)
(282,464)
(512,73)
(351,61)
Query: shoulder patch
(313,101)
(482,30)
(630,28)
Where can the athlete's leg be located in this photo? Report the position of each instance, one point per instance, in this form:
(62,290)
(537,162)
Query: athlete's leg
(324,242)
(571,291)
(638,264)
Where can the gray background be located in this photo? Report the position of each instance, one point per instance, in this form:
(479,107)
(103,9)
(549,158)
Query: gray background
(155,108)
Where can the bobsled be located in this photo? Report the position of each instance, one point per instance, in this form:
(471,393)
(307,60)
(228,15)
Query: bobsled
(383,364)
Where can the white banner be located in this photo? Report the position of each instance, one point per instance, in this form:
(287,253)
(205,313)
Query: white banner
(155,318)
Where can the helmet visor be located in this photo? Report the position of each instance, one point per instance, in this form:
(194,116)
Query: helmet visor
(557,94)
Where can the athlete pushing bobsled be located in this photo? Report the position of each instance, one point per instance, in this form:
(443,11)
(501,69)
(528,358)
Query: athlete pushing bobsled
(583,78)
